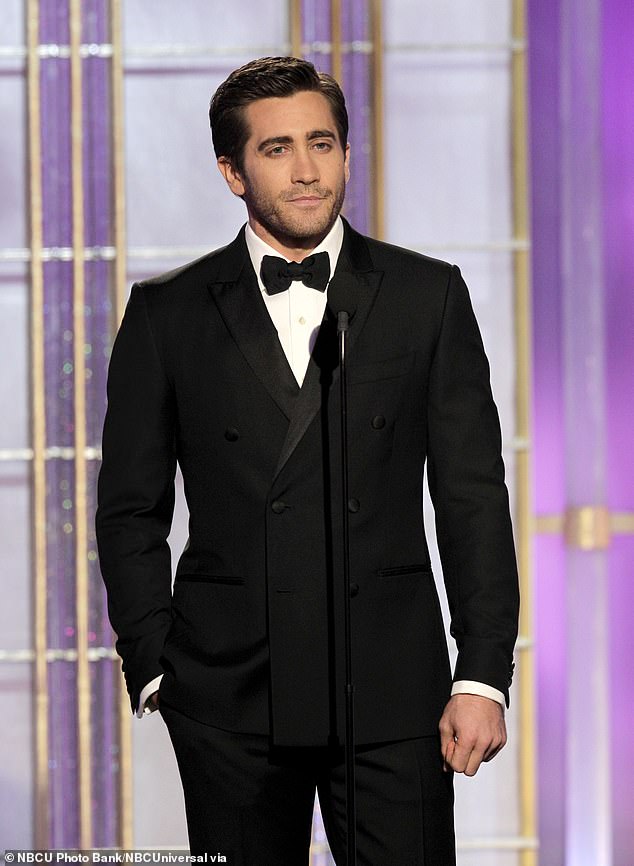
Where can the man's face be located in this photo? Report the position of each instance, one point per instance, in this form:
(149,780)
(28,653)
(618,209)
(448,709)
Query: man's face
(294,170)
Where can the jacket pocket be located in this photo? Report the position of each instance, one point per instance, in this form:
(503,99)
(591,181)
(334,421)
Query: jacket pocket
(400,570)
(209,578)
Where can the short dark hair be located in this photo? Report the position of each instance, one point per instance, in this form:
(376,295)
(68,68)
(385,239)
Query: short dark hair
(261,79)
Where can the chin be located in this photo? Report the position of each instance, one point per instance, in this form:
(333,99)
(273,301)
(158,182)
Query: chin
(310,228)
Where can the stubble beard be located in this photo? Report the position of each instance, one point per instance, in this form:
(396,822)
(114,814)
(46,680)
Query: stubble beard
(302,230)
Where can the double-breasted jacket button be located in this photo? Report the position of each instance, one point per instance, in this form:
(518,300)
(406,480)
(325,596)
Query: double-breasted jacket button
(354,590)
(354,505)
(278,506)
(231,434)
(378,422)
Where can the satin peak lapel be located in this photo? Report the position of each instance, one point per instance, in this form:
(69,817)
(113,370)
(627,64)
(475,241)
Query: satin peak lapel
(237,295)
(353,288)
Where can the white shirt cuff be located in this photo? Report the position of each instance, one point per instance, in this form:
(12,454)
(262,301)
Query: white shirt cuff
(145,694)
(471,687)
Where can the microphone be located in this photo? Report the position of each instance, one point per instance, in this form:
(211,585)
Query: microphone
(339,311)
(343,302)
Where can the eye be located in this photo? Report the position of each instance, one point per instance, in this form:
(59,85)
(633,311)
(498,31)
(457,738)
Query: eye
(277,150)
(322,146)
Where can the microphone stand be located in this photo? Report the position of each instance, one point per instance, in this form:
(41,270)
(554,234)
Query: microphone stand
(351,829)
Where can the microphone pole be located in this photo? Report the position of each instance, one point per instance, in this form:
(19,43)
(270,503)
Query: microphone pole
(343,321)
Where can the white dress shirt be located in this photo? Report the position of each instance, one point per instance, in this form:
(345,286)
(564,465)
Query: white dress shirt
(297,315)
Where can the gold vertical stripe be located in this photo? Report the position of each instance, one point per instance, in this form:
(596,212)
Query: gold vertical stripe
(376,175)
(295,22)
(524,518)
(125,799)
(38,425)
(79,378)
(335,41)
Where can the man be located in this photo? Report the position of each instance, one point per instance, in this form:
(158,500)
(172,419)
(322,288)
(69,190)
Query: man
(229,366)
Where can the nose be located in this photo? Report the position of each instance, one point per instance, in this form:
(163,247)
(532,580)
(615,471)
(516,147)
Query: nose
(304,169)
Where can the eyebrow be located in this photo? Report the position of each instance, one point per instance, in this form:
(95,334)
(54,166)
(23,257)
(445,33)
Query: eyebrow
(288,139)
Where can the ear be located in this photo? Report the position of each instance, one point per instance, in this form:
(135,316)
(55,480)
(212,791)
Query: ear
(346,163)
(231,175)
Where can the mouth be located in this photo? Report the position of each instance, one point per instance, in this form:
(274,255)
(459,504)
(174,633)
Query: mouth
(306,200)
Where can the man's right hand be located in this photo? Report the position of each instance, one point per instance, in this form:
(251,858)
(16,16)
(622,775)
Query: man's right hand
(148,699)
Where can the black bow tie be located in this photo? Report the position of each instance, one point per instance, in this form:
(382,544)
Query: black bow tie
(277,274)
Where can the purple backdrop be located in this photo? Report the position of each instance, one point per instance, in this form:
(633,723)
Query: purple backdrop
(618,224)
(618,240)
(61,508)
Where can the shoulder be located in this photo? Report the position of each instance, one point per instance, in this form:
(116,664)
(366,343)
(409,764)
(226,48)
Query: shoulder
(406,263)
(191,280)
(391,254)
(186,277)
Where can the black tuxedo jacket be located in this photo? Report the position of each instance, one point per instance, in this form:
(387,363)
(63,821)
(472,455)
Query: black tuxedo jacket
(251,637)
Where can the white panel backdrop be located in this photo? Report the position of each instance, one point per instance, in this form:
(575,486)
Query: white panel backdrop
(16,704)
(448,194)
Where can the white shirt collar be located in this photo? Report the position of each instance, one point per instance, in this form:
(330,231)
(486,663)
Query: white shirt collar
(258,248)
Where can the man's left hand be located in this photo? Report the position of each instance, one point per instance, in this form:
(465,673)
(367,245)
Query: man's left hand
(472,730)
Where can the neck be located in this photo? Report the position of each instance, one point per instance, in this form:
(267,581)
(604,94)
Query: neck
(291,248)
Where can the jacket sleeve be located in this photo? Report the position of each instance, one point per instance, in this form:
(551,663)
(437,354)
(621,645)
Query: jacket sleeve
(136,497)
(466,482)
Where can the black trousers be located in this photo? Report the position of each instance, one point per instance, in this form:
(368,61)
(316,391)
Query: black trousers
(253,803)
